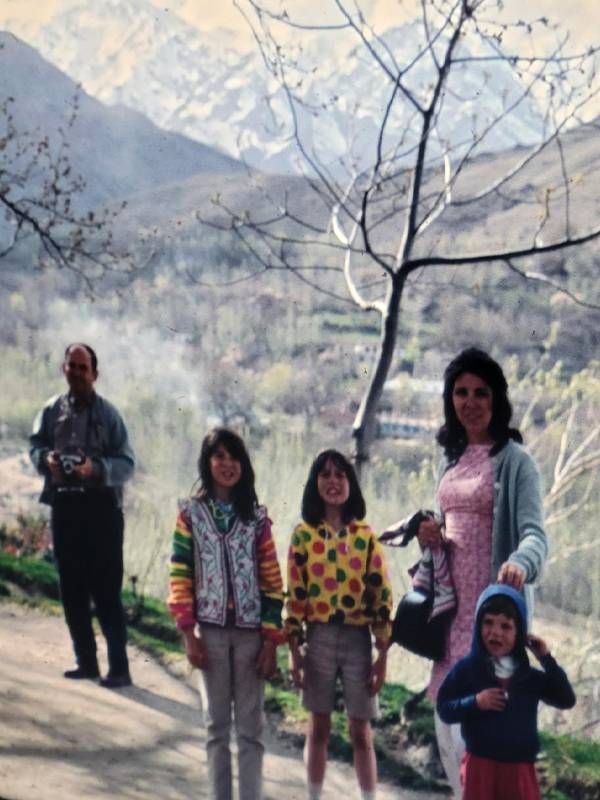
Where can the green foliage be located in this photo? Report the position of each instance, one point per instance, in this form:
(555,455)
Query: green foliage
(566,754)
(391,700)
(340,745)
(570,767)
(152,644)
(152,621)
(147,616)
(35,575)
(285,703)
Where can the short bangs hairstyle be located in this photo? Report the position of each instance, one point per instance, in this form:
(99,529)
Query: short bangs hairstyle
(452,436)
(243,494)
(501,604)
(313,505)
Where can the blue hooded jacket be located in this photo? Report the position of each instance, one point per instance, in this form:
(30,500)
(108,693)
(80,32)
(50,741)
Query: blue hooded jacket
(509,735)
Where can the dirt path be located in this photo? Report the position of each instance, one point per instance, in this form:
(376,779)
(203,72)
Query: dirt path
(71,740)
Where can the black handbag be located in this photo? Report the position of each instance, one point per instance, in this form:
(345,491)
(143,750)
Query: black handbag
(413,630)
(411,627)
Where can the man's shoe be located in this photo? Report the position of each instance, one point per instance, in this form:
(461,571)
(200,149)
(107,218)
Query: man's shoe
(81,674)
(116,681)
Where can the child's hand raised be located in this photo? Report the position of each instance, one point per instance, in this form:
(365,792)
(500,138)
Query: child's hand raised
(493,699)
(537,645)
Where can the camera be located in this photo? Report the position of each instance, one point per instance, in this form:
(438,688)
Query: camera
(68,461)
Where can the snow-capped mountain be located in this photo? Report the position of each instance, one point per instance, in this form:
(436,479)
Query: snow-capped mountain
(117,151)
(201,85)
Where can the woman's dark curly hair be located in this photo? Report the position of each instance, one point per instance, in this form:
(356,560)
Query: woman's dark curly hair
(243,495)
(313,505)
(452,436)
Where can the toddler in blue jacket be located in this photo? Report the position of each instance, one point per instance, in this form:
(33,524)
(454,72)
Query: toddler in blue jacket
(494,694)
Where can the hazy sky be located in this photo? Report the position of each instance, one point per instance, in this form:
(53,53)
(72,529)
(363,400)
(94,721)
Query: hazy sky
(577,13)
(582,17)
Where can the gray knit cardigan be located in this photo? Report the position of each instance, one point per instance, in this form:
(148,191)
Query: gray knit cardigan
(518,533)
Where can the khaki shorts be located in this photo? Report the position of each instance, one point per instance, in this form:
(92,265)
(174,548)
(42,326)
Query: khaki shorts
(342,651)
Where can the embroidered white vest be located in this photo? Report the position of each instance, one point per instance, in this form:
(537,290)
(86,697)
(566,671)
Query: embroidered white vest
(213,552)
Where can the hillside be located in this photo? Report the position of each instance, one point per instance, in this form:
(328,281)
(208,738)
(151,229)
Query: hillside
(116,150)
(210,89)
(510,219)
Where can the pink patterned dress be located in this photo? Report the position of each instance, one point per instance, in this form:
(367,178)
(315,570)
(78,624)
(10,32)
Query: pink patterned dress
(466,497)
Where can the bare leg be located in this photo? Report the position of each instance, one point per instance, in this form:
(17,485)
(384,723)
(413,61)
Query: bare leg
(364,753)
(315,748)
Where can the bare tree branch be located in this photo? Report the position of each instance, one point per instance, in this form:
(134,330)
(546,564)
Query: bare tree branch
(38,190)
(387,196)
(538,277)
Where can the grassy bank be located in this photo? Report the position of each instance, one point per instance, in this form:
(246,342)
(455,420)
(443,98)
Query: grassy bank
(404,739)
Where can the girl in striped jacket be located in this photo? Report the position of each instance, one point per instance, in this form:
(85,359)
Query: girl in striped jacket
(226,595)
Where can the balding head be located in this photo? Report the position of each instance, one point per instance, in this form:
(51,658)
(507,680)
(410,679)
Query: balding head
(80,369)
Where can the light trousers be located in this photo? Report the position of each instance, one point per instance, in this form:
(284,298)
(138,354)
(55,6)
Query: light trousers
(233,690)
(452,748)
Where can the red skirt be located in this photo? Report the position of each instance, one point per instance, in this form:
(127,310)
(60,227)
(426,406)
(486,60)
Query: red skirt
(484,779)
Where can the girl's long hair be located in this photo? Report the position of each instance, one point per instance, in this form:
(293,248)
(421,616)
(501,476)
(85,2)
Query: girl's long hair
(243,494)
(313,505)
(452,436)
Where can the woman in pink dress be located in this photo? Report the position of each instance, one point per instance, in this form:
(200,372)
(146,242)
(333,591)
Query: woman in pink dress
(491,505)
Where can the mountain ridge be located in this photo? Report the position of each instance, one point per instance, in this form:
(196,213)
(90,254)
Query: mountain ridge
(209,90)
(130,153)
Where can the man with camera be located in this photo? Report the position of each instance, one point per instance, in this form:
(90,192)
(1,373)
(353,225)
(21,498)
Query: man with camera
(81,447)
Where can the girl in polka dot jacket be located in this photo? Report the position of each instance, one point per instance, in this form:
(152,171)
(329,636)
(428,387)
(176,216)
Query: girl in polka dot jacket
(339,594)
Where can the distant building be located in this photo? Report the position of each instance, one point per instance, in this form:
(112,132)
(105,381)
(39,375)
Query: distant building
(422,394)
(390,427)
(431,387)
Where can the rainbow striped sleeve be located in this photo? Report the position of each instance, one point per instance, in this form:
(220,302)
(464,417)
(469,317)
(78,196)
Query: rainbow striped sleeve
(181,574)
(270,585)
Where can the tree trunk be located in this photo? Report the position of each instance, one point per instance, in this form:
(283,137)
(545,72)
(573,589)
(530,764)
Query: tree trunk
(364,428)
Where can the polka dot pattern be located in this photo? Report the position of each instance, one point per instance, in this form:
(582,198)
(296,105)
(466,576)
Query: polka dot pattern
(338,577)
(300,558)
